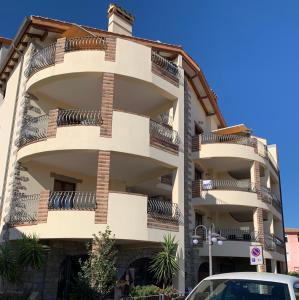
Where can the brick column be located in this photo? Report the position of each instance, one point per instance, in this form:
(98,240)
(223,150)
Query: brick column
(42,211)
(102,190)
(110,52)
(60,49)
(256,178)
(107,104)
(258,224)
(52,123)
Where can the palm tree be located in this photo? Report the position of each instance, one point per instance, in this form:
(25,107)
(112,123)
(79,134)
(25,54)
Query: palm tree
(31,253)
(8,264)
(164,264)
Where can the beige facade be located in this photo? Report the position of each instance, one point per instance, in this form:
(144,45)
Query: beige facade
(102,128)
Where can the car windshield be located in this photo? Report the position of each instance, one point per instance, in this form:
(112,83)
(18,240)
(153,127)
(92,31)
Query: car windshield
(236,289)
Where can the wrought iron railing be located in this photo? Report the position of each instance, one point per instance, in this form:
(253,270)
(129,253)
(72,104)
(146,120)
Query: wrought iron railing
(236,234)
(222,184)
(33,130)
(164,134)
(167,65)
(68,117)
(271,242)
(41,59)
(210,138)
(24,209)
(270,197)
(85,43)
(163,210)
(76,200)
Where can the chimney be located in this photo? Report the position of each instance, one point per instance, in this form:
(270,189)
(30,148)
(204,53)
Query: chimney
(120,21)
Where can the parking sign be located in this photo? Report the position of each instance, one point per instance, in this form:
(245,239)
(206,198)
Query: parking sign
(256,255)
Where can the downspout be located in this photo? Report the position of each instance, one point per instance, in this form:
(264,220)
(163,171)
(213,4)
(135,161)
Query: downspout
(11,132)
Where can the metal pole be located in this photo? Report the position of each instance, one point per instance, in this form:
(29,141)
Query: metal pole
(210,252)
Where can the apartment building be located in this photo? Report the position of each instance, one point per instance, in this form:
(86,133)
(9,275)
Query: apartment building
(103,128)
(292,248)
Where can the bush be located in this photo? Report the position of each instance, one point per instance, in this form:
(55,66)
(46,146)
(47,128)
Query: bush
(145,290)
(293,274)
(170,291)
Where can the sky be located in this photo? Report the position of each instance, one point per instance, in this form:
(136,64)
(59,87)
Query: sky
(247,49)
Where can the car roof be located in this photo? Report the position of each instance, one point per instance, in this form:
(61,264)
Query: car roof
(256,276)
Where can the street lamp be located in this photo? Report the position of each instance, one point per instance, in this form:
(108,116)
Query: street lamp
(211,238)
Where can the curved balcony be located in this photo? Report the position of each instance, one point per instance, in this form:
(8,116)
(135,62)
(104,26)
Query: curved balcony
(45,57)
(207,146)
(80,130)
(227,193)
(237,241)
(270,197)
(130,216)
(86,57)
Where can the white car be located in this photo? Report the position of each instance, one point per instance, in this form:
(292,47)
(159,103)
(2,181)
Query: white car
(247,286)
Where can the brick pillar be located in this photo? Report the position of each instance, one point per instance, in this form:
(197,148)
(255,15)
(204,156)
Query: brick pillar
(256,178)
(102,191)
(110,51)
(52,123)
(107,104)
(60,49)
(258,224)
(42,211)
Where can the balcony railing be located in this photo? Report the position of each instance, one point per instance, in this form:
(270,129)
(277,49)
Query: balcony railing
(221,184)
(85,43)
(163,210)
(236,234)
(41,59)
(271,242)
(168,66)
(69,200)
(33,130)
(211,138)
(24,210)
(270,197)
(164,135)
(71,117)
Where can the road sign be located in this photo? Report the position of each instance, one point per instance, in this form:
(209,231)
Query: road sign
(256,255)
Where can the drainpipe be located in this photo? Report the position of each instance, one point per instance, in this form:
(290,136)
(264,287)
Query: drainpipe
(11,135)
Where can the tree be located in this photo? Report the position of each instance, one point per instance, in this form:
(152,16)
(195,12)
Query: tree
(31,253)
(98,271)
(164,264)
(18,256)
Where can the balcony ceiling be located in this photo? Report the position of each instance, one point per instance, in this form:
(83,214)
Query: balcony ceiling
(128,168)
(226,164)
(83,90)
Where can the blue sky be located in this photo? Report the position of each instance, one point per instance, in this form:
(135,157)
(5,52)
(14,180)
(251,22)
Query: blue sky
(248,50)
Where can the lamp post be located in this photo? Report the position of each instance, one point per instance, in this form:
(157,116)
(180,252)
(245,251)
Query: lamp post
(211,238)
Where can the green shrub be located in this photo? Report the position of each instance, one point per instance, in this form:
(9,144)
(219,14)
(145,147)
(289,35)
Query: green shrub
(293,274)
(145,290)
(170,291)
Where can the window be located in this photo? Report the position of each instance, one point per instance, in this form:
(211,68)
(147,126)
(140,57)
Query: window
(197,174)
(236,289)
(61,186)
(197,129)
(198,219)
